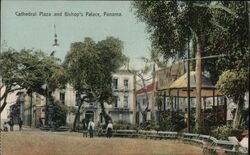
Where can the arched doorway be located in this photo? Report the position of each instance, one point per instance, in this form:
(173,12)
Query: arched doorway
(89,115)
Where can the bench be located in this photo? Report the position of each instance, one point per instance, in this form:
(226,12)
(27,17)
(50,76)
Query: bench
(147,134)
(168,135)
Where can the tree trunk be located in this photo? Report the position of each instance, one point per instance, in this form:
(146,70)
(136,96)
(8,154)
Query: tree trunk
(134,100)
(144,116)
(153,103)
(198,86)
(76,117)
(236,121)
(4,98)
(144,113)
(104,114)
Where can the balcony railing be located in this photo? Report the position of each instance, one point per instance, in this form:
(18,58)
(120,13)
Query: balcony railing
(120,109)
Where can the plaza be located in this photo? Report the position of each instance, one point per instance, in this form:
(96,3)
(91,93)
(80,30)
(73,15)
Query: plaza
(36,142)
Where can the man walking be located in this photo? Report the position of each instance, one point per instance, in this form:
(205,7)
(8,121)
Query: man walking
(20,123)
(91,127)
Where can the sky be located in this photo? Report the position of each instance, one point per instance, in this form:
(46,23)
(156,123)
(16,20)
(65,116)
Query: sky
(23,31)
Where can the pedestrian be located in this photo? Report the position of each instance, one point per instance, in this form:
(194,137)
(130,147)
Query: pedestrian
(230,115)
(109,129)
(11,123)
(91,127)
(185,117)
(20,123)
(85,128)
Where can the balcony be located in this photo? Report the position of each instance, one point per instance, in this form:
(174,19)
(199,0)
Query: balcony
(120,109)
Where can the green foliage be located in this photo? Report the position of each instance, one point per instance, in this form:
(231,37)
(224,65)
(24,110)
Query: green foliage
(221,27)
(230,40)
(170,22)
(29,69)
(89,67)
(72,109)
(233,83)
(150,125)
(223,132)
(59,114)
(123,125)
(174,122)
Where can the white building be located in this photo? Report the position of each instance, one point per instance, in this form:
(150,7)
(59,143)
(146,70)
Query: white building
(122,108)
(124,105)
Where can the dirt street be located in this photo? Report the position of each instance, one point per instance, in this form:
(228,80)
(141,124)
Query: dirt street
(66,143)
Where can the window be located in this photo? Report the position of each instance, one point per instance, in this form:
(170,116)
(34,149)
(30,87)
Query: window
(62,97)
(125,102)
(115,83)
(125,84)
(116,101)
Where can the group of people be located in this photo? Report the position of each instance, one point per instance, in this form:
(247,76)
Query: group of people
(91,126)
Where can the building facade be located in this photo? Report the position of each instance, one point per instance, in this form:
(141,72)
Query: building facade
(32,110)
(124,102)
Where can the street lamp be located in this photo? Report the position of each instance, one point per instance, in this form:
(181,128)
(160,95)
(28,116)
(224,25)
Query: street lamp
(45,86)
(55,40)
(188,88)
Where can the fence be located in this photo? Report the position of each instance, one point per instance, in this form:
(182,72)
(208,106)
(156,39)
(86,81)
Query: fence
(208,143)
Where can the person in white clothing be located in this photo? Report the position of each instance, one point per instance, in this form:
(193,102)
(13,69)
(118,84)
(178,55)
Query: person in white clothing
(91,127)
(109,129)
(230,116)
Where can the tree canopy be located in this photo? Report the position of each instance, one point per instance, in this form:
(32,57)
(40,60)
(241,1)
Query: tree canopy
(89,67)
(172,24)
(222,27)
(233,84)
(28,69)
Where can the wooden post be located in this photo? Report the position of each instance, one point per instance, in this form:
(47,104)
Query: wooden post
(178,101)
(164,101)
(225,108)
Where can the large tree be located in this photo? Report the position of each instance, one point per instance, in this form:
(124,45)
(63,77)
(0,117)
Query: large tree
(172,23)
(231,39)
(233,84)
(89,68)
(27,69)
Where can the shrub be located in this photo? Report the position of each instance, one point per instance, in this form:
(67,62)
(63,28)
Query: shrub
(171,123)
(123,125)
(223,132)
(150,125)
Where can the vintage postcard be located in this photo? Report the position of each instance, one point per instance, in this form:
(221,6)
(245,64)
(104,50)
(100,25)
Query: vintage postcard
(124,77)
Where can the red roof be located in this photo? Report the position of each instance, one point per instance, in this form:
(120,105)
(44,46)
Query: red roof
(149,88)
